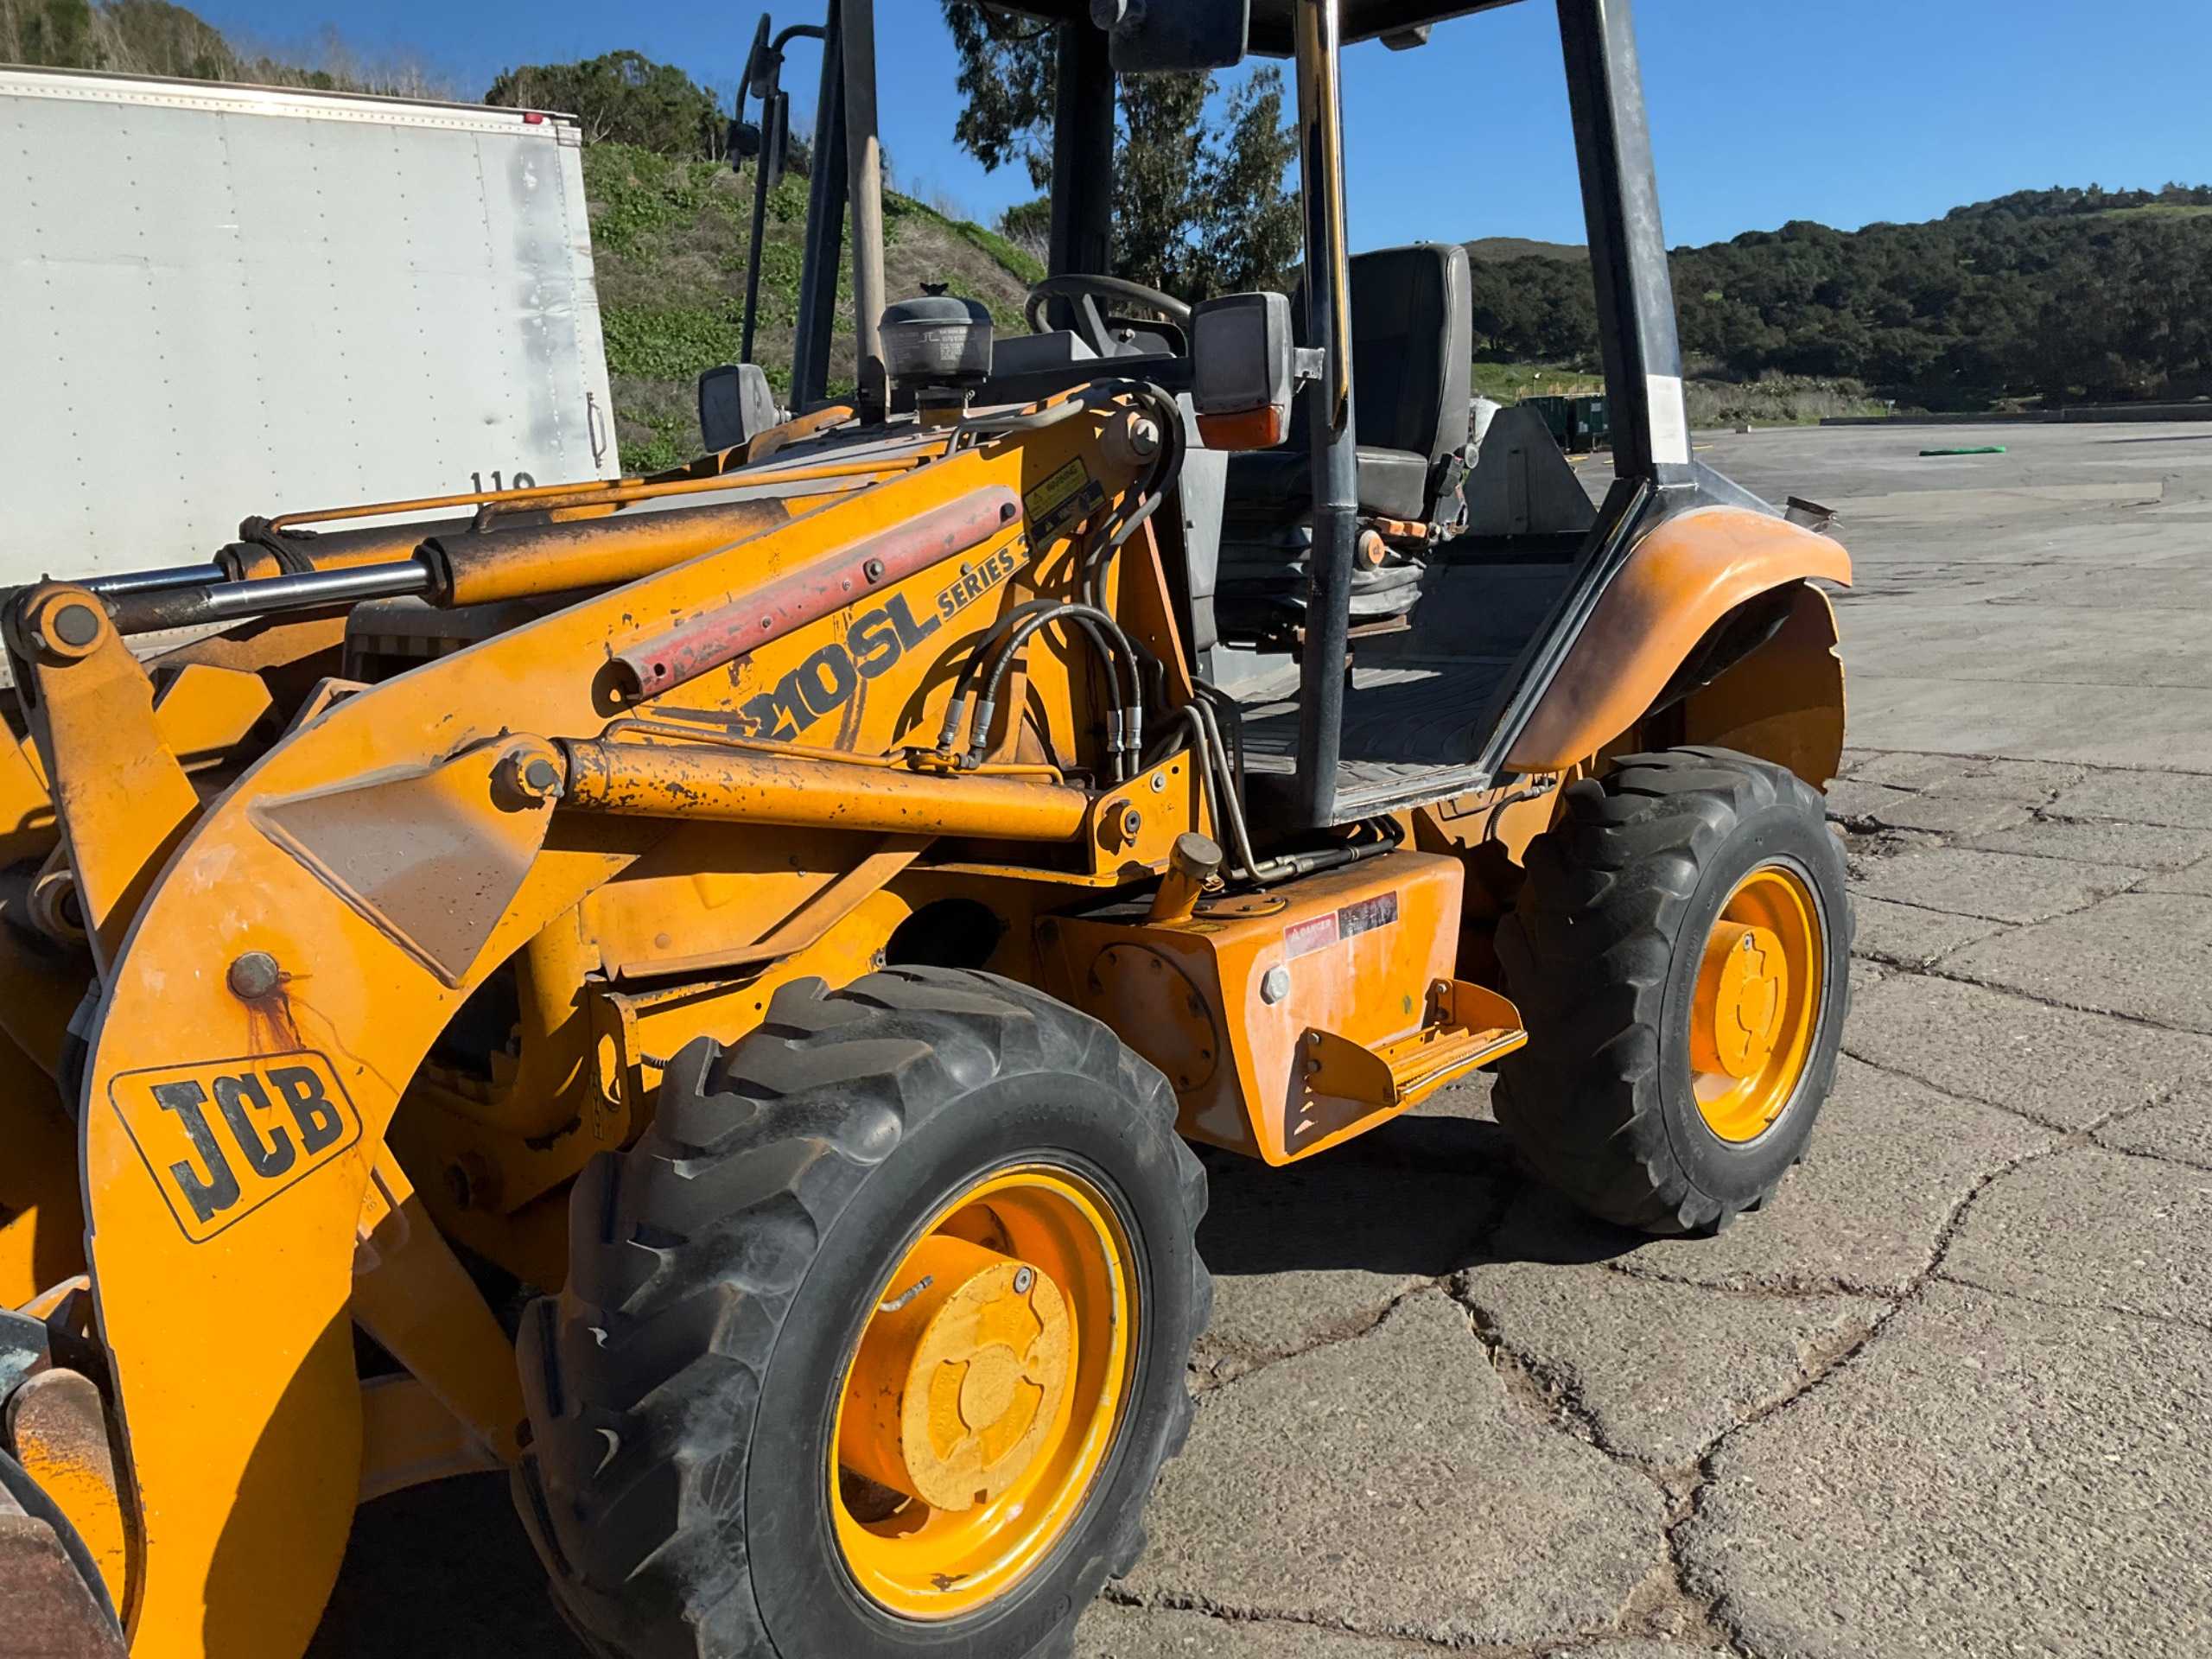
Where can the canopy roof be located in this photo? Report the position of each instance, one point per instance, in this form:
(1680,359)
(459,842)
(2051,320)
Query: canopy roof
(1270,35)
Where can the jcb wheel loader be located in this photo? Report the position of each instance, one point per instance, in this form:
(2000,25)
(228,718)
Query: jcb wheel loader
(693,991)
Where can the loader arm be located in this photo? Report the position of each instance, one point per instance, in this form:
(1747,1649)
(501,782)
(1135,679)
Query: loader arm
(277,963)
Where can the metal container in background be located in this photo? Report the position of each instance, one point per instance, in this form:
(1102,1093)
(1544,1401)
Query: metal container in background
(1578,425)
(218,301)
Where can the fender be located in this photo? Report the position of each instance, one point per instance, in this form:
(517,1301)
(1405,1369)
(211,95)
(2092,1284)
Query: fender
(1784,702)
(1684,577)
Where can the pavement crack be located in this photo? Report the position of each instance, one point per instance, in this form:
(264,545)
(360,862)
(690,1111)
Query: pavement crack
(1215,1377)
(2166,1157)
(1205,1606)
(2073,1134)
(1539,1390)
(2176,1321)
(1785,1289)
(1932,971)
(2034,759)
(1662,1607)
(1817,1372)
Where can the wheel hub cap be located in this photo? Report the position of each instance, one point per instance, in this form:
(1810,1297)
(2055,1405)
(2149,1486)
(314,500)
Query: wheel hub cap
(978,1407)
(961,1374)
(1750,978)
(1757,1005)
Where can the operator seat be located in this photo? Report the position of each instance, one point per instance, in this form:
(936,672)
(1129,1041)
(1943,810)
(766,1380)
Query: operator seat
(1412,340)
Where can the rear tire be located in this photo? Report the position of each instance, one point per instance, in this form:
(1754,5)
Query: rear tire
(684,1389)
(1603,955)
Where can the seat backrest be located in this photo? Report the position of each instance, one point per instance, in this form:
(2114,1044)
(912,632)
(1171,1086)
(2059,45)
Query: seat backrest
(1413,336)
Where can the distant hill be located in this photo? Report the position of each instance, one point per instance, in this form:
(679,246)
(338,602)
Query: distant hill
(2055,294)
(1495,250)
(2061,202)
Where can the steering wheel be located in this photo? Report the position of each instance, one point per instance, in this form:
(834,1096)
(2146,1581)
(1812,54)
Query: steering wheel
(1085,289)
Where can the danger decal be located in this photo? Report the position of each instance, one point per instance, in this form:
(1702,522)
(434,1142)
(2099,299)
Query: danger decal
(223,1137)
(1332,927)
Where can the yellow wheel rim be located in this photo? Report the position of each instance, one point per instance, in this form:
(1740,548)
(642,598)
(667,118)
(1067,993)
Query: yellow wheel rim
(1757,1002)
(979,1405)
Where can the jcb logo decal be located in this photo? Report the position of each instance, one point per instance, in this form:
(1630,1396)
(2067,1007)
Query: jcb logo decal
(224,1137)
(827,681)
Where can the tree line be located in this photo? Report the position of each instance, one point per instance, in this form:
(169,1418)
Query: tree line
(2062,293)
(2065,293)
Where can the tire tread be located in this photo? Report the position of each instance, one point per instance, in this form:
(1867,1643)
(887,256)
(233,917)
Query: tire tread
(1586,954)
(642,1377)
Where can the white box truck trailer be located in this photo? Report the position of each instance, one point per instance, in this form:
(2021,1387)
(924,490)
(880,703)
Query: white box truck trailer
(218,300)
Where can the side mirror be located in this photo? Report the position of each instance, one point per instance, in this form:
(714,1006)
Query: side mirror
(1154,36)
(759,62)
(1245,369)
(735,405)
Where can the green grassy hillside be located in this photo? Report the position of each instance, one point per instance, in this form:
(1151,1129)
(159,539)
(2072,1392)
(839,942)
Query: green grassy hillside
(669,240)
(2043,295)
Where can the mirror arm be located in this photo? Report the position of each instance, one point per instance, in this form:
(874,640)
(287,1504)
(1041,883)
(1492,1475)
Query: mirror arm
(764,79)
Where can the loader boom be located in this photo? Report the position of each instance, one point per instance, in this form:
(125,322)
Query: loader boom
(277,962)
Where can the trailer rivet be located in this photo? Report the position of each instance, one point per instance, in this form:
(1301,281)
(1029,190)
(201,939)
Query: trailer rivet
(873,569)
(254,974)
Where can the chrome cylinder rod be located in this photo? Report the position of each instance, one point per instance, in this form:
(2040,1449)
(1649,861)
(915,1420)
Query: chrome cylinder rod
(147,581)
(206,602)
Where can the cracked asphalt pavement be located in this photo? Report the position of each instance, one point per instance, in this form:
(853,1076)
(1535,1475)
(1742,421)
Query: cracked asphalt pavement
(1951,1393)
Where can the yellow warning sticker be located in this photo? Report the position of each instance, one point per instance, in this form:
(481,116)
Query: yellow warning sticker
(1062,499)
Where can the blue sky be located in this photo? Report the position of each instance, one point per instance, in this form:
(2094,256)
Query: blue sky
(1762,110)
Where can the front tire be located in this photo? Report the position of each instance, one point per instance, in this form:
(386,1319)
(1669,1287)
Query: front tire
(1679,953)
(866,1195)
